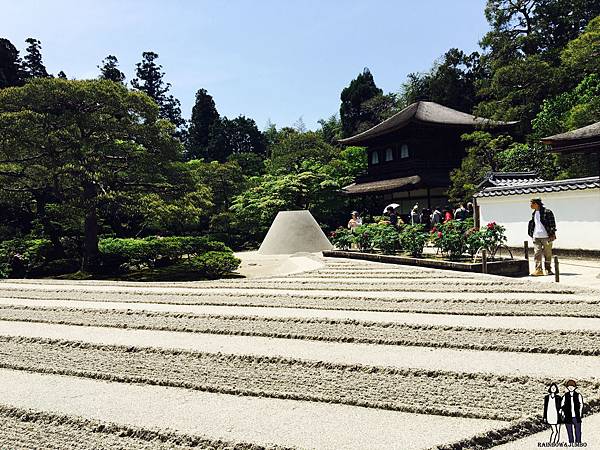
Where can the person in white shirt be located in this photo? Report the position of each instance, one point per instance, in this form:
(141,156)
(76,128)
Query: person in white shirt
(572,411)
(542,228)
(355,221)
(552,405)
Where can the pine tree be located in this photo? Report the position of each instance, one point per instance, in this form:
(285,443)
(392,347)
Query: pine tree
(149,79)
(204,116)
(109,70)
(33,60)
(11,71)
(352,115)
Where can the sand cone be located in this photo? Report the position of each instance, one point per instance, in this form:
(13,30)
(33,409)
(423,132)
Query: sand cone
(294,232)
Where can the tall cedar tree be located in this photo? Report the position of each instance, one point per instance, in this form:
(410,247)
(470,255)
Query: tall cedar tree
(33,65)
(149,79)
(109,70)
(352,114)
(11,71)
(204,117)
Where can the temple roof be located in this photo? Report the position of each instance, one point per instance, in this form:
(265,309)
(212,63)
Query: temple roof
(509,179)
(423,112)
(382,185)
(590,131)
(581,139)
(536,187)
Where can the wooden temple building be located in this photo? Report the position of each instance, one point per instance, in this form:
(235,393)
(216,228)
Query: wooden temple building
(411,155)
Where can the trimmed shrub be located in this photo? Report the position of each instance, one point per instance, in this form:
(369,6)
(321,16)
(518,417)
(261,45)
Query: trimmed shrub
(413,239)
(24,257)
(214,264)
(154,251)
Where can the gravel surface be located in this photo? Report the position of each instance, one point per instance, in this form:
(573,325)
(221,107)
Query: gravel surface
(233,418)
(375,387)
(33,430)
(348,346)
(427,358)
(581,342)
(530,322)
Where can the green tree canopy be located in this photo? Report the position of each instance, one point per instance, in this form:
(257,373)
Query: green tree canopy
(230,137)
(451,82)
(33,64)
(354,118)
(77,142)
(149,79)
(582,55)
(109,70)
(293,148)
(204,117)
(11,70)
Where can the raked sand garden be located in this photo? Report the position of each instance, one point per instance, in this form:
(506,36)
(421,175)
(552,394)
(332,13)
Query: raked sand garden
(346,355)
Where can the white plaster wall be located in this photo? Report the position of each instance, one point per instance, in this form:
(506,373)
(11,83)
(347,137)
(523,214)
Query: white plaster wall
(577,217)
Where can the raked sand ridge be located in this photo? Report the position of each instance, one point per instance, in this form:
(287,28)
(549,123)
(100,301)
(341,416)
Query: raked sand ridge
(348,355)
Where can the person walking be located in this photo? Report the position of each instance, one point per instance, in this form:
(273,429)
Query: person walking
(552,408)
(572,410)
(461,213)
(436,216)
(447,213)
(542,229)
(414,215)
(392,216)
(425,218)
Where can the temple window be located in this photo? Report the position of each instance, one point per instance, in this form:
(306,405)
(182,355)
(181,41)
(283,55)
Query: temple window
(389,154)
(404,151)
(375,158)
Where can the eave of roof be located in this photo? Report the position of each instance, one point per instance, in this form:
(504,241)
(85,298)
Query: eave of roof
(541,187)
(588,132)
(493,179)
(388,185)
(423,112)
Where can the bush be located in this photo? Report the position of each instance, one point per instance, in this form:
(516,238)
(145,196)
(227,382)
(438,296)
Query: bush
(24,257)
(214,264)
(154,251)
(413,239)
(342,238)
(385,238)
(451,237)
(363,237)
(489,237)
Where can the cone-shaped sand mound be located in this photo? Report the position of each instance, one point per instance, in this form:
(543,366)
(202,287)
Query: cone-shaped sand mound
(293,232)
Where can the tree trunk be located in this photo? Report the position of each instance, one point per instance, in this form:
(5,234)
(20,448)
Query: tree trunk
(91,255)
(58,250)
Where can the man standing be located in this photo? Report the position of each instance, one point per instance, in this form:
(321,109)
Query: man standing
(572,410)
(542,228)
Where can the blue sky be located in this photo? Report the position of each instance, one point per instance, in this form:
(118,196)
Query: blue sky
(266,59)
